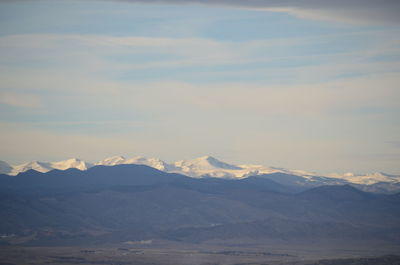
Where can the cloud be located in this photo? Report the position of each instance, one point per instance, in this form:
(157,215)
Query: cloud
(349,11)
(394,144)
(317,112)
(97,52)
(44,49)
(20,100)
(78,73)
(356,96)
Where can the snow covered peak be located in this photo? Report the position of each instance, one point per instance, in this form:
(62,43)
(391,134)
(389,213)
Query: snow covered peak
(35,165)
(205,166)
(367,179)
(70,163)
(47,166)
(151,162)
(204,163)
(112,161)
(212,167)
(138,160)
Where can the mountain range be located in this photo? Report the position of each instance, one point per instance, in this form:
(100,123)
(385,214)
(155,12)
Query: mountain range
(208,166)
(130,203)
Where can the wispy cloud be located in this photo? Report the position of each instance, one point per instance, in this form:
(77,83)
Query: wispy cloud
(115,54)
(395,144)
(20,100)
(88,64)
(285,101)
(348,11)
(353,11)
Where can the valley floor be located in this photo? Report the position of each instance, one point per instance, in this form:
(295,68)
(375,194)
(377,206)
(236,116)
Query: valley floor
(169,253)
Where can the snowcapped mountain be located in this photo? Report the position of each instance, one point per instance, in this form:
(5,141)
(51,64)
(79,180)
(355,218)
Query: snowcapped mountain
(206,166)
(151,162)
(47,166)
(35,165)
(71,163)
(204,163)
(112,161)
(368,179)
(138,160)
(212,167)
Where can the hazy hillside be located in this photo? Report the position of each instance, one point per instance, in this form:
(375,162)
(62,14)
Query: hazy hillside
(136,202)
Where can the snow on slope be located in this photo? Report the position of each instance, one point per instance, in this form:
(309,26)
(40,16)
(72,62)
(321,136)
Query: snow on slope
(205,166)
(368,179)
(5,168)
(35,165)
(211,167)
(112,161)
(71,163)
(151,162)
(138,160)
(47,166)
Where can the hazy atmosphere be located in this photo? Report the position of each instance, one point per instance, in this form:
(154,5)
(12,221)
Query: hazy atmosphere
(199,132)
(296,84)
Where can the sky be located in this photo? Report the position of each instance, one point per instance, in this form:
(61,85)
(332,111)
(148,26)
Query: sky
(305,84)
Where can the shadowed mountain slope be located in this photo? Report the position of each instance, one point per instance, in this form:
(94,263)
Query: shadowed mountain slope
(136,202)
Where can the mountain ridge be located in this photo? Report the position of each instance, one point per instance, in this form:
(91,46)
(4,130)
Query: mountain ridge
(208,166)
(137,202)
